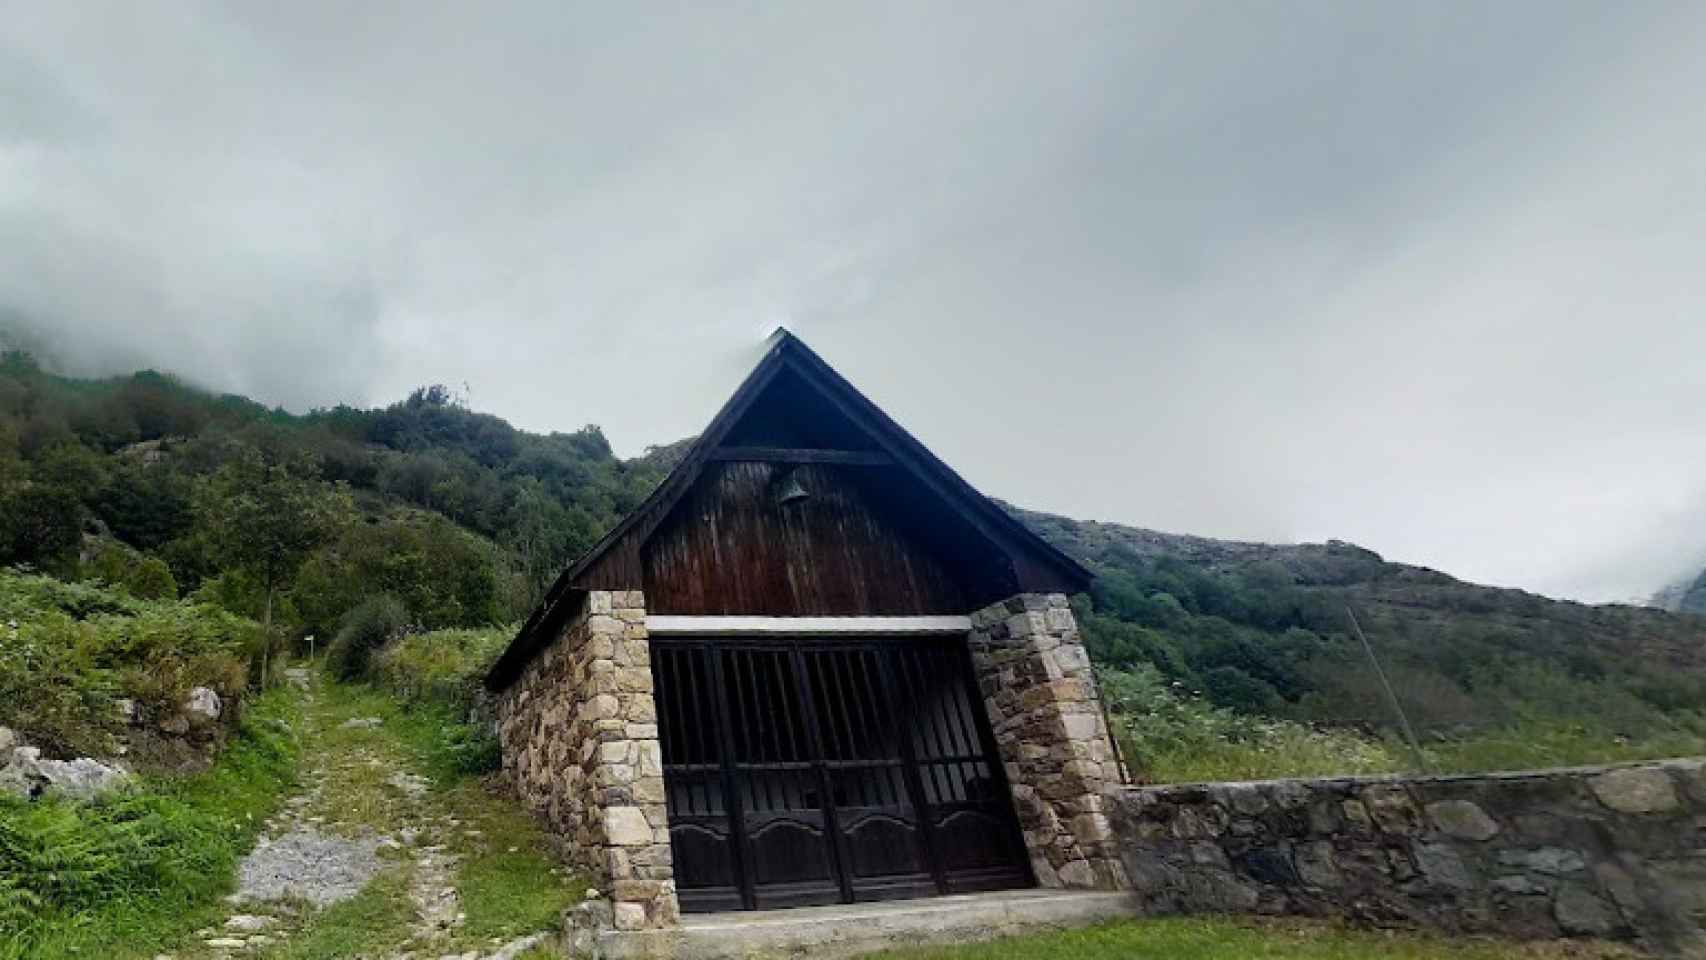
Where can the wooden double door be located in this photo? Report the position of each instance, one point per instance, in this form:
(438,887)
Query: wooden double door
(804,771)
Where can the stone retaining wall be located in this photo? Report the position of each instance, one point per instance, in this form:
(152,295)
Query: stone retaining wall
(1047,718)
(580,742)
(1616,852)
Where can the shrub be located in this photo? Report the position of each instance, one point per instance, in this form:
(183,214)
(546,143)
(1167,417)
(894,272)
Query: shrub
(23,595)
(437,676)
(67,651)
(40,525)
(140,575)
(445,576)
(365,629)
(442,666)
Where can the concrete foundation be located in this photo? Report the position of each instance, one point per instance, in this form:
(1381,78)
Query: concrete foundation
(850,930)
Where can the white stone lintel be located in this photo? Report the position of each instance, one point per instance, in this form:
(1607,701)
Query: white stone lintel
(667,625)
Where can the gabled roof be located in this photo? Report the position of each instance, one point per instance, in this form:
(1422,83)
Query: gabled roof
(1041,567)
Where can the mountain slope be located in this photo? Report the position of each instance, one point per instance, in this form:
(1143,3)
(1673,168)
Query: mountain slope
(132,461)
(1684,596)
(466,519)
(1263,627)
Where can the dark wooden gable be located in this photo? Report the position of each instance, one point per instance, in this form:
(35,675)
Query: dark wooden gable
(842,547)
(885,528)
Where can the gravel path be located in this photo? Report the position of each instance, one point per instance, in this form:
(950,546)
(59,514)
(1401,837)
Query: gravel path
(309,865)
(304,862)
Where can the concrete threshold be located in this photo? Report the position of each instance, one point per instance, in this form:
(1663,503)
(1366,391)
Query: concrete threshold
(850,930)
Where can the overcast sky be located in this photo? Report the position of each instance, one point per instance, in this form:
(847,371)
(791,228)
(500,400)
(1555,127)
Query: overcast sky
(1426,276)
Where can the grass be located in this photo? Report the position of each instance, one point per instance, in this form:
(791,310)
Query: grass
(1167,737)
(363,925)
(1291,750)
(1532,744)
(1217,938)
(133,873)
(135,876)
(431,737)
(1283,750)
(508,885)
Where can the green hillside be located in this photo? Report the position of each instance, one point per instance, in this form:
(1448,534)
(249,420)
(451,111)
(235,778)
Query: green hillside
(1209,635)
(140,478)
(425,515)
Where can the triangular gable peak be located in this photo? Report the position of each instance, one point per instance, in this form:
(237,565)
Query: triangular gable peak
(876,524)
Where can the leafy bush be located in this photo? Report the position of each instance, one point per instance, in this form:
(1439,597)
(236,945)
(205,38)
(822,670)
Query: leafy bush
(441,666)
(437,676)
(39,525)
(138,574)
(23,595)
(365,629)
(445,576)
(68,651)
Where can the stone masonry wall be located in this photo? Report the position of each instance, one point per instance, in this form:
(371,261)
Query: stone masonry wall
(580,741)
(1046,713)
(1617,852)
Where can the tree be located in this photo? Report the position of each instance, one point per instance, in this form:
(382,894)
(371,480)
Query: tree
(39,525)
(443,575)
(265,517)
(138,574)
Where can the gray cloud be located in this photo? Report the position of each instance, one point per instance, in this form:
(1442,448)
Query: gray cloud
(1426,278)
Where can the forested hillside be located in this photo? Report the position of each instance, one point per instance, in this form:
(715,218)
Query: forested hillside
(1224,630)
(425,515)
(168,490)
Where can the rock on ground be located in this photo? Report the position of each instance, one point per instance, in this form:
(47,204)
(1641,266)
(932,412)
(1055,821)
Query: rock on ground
(515,948)
(25,774)
(203,703)
(248,923)
(306,863)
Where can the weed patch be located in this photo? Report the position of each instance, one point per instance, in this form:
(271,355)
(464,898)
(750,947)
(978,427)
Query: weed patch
(1168,736)
(131,873)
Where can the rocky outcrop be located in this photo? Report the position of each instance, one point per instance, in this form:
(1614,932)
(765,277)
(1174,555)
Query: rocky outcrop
(183,741)
(1684,596)
(24,773)
(1614,852)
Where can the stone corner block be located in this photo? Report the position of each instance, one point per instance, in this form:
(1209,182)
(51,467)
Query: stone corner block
(626,827)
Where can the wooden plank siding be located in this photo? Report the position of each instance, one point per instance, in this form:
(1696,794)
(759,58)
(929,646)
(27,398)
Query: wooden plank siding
(730,548)
(890,529)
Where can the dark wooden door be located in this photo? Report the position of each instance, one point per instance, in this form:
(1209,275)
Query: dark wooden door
(805,772)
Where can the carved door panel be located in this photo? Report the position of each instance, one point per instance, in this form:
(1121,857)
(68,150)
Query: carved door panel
(802,771)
